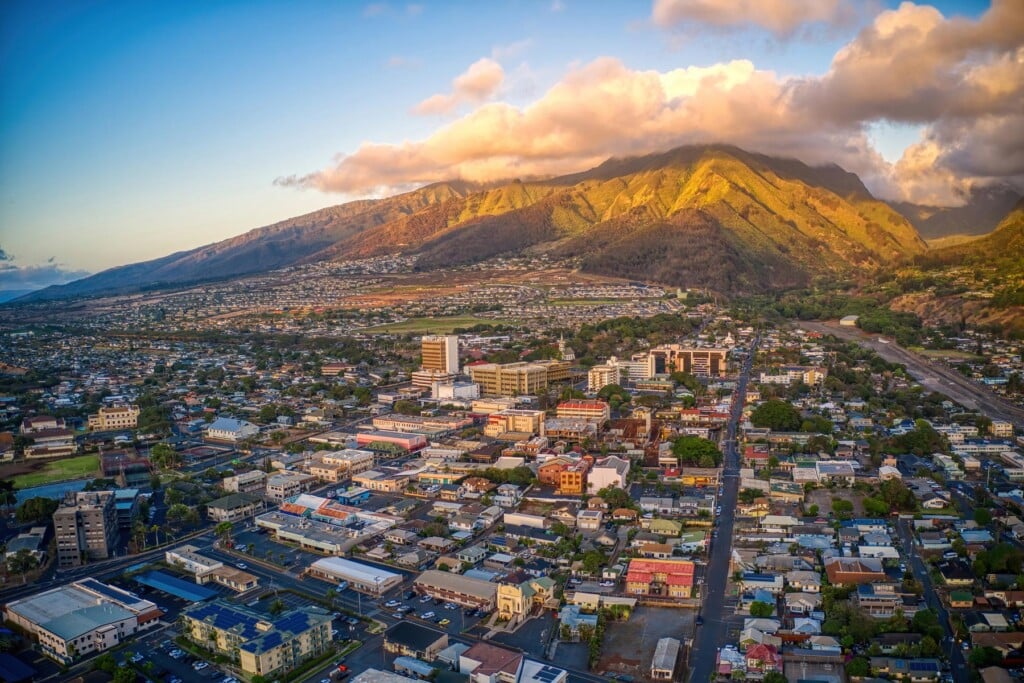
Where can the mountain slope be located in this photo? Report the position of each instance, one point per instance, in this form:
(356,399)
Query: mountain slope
(983,211)
(714,216)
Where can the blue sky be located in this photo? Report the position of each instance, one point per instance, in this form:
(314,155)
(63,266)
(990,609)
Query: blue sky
(132,130)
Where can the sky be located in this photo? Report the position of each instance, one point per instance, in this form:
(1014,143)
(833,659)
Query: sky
(131,130)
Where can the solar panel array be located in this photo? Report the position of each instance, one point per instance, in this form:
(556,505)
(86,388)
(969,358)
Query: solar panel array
(105,590)
(548,674)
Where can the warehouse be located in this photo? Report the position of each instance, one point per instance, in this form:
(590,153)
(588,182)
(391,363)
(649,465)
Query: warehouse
(361,577)
(462,590)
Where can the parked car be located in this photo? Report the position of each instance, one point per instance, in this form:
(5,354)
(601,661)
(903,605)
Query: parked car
(425,598)
(242,565)
(607,584)
(444,622)
(426,616)
(352,621)
(391,603)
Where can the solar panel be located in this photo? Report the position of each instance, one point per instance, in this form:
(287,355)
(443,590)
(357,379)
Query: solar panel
(548,673)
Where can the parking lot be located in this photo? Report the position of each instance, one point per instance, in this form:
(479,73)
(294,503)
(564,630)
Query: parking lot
(158,648)
(633,641)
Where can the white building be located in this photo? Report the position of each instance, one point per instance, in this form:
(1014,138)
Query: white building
(601,376)
(364,578)
(612,471)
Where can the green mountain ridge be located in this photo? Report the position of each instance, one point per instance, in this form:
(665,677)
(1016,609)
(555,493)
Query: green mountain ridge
(711,216)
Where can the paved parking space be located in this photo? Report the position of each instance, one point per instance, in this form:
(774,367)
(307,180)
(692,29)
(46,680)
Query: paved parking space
(531,637)
(156,648)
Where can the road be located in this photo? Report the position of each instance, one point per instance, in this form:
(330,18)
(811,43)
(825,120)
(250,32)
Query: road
(949,645)
(932,374)
(712,634)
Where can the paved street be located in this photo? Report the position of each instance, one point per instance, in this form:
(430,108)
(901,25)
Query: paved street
(715,612)
(920,569)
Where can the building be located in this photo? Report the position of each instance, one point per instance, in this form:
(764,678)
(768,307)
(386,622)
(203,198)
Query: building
(412,640)
(667,578)
(599,411)
(573,479)
(405,441)
(261,645)
(462,590)
(287,484)
(516,600)
(854,570)
(612,472)
(365,578)
(486,663)
(81,618)
(85,526)
(601,376)
(205,569)
(550,472)
(454,391)
(514,420)
(666,655)
(510,379)
(254,481)
(114,417)
(234,507)
(228,429)
(1001,429)
(700,362)
(440,353)
(352,460)
(126,506)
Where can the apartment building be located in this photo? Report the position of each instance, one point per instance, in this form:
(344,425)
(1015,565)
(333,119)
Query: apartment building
(514,420)
(573,479)
(287,484)
(254,481)
(668,578)
(601,376)
(599,411)
(701,362)
(440,353)
(114,417)
(612,472)
(85,526)
(235,507)
(511,379)
(262,645)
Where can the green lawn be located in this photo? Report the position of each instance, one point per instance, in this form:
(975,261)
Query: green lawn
(59,470)
(431,325)
(945,353)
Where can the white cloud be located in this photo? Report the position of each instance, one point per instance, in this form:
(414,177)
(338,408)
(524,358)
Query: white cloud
(477,84)
(781,17)
(13,277)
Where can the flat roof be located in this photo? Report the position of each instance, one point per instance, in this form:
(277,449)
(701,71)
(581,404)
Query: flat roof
(459,584)
(85,620)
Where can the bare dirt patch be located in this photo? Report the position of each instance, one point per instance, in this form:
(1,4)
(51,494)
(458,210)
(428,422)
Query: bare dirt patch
(823,499)
(629,646)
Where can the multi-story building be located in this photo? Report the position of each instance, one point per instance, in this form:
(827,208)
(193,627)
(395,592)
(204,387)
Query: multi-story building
(254,481)
(114,417)
(261,645)
(550,472)
(573,479)
(1001,429)
(440,353)
(427,379)
(462,590)
(228,429)
(83,617)
(514,420)
(287,484)
(234,507)
(510,379)
(668,578)
(612,472)
(85,526)
(352,460)
(587,410)
(701,362)
(601,376)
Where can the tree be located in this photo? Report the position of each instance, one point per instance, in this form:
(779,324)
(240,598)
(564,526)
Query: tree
(224,530)
(777,415)
(22,563)
(615,497)
(774,677)
(276,607)
(36,510)
(859,667)
(813,510)
(761,609)
(696,452)
(164,456)
(178,513)
(7,495)
(982,516)
(593,560)
(405,407)
(154,482)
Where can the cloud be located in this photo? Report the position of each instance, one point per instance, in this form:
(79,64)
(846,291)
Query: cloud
(478,83)
(14,277)
(781,17)
(511,50)
(962,79)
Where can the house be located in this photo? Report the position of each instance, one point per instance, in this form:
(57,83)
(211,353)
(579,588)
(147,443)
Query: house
(666,656)
(956,573)
(589,520)
(487,663)
(802,603)
(808,582)
(235,507)
(918,670)
(571,618)
(508,496)
(670,578)
(515,600)
(772,583)
(838,472)
(413,640)
(763,659)
(231,430)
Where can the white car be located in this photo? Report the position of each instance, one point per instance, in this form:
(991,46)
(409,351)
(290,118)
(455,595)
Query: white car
(242,565)
(199,666)
(427,615)
(607,584)
(391,603)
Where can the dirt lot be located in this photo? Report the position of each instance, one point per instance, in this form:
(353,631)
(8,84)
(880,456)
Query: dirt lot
(823,499)
(629,646)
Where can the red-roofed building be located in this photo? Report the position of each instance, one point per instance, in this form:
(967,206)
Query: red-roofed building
(587,410)
(763,658)
(669,578)
(486,663)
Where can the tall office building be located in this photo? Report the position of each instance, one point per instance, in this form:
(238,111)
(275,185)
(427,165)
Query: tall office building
(86,527)
(441,353)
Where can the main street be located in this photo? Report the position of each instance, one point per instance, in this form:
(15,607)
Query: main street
(920,569)
(931,374)
(712,634)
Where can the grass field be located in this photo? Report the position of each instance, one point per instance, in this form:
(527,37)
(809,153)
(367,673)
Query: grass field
(430,325)
(586,302)
(945,353)
(59,470)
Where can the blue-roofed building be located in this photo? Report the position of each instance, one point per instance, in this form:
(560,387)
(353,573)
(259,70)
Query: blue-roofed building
(126,503)
(259,643)
(172,585)
(228,429)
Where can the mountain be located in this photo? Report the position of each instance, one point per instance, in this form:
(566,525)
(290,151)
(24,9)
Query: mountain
(982,212)
(1001,250)
(713,216)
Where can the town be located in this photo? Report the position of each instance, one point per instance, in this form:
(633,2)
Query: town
(607,481)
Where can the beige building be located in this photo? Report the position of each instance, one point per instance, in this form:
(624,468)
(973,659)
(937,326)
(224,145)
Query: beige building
(462,590)
(515,420)
(114,417)
(234,507)
(353,460)
(259,645)
(516,601)
(701,362)
(287,484)
(587,410)
(601,376)
(440,353)
(254,481)
(85,527)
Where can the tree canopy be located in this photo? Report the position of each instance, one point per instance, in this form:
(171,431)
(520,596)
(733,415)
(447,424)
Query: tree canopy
(777,415)
(696,452)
